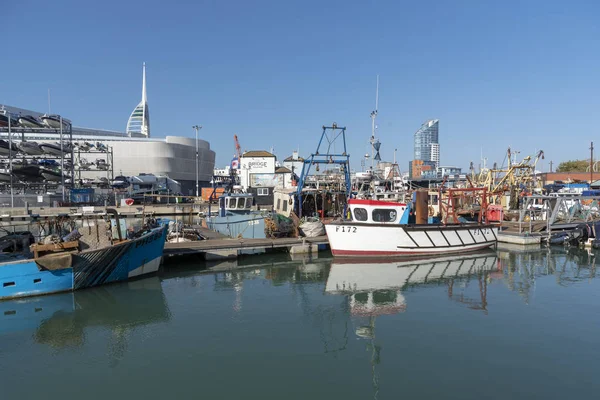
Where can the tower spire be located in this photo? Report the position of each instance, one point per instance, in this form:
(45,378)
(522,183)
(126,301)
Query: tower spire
(144,99)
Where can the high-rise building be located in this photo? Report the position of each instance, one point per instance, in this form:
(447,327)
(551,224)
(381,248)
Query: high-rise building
(427,135)
(139,121)
(434,153)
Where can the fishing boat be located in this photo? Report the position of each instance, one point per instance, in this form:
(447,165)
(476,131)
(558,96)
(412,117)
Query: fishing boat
(53,121)
(56,149)
(29,121)
(30,148)
(382,229)
(94,259)
(236,218)
(6,150)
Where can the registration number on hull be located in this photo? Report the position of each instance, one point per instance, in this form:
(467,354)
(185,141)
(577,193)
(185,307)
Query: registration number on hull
(348,229)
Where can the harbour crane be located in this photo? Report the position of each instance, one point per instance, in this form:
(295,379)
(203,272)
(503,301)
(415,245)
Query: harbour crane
(238,149)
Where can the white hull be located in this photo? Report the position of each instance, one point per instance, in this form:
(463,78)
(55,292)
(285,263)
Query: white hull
(378,240)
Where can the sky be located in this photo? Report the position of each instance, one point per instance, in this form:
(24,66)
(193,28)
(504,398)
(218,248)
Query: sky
(520,74)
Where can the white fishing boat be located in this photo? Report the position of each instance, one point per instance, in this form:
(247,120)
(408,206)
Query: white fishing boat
(381,229)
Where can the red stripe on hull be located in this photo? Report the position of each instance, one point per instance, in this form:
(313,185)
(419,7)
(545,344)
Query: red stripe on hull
(375,203)
(401,253)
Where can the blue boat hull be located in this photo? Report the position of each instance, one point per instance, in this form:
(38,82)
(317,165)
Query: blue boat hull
(87,269)
(247,226)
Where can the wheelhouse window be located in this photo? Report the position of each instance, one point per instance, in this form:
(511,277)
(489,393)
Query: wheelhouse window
(241,203)
(262,191)
(384,215)
(360,214)
(285,204)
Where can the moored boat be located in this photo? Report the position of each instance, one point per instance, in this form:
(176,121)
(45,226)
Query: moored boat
(382,229)
(117,260)
(236,218)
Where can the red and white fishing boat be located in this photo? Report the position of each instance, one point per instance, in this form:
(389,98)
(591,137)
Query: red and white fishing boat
(381,229)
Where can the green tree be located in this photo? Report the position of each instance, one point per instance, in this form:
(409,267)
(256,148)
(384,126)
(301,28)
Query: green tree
(573,166)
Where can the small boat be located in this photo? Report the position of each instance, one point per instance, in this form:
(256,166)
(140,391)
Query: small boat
(5,117)
(28,172)
(115,258)
(30,148)
(101,147)
(5,148)
(381,229)
(53,121)
(5,175)
(51,174)
(120,182)
(55,148)
(101,164)
(29,121)
(236,217)
(84,164)
(48,163)
(85,146)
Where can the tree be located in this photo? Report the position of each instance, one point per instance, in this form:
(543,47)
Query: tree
(573,166)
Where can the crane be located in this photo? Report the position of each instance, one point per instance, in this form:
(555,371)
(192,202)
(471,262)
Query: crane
(238,149)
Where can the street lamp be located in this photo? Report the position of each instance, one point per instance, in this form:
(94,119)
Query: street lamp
(197,128)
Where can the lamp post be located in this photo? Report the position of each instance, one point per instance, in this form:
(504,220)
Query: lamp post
(197,128)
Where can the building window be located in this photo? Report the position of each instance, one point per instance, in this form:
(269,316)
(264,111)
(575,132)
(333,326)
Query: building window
(360,214)
(262,191)
(384,215)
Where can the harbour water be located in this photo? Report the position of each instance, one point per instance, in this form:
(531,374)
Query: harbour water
(497,325)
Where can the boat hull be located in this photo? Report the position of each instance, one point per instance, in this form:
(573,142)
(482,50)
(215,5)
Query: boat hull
(349,239)
(247,226)
(87,269)
(30,148)
(54,150)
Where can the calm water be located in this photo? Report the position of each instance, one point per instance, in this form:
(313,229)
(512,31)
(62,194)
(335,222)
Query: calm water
(502,325)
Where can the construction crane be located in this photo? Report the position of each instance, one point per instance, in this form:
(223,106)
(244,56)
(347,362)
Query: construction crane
(238,149)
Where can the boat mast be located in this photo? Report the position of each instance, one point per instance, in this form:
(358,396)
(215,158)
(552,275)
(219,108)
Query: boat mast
(373,125)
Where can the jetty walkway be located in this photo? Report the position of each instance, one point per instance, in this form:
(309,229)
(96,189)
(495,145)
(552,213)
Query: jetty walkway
(214,248)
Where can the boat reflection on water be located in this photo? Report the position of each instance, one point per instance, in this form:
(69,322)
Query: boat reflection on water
(60,321)
(374,288)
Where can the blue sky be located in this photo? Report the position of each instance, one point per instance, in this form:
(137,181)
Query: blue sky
(513,73)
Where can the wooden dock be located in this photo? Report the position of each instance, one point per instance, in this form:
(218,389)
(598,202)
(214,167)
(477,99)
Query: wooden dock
(229,248)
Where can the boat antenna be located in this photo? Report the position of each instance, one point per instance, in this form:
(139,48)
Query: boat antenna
(49,112)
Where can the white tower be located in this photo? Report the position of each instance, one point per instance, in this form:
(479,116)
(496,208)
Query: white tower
(139,121)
